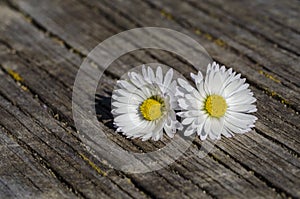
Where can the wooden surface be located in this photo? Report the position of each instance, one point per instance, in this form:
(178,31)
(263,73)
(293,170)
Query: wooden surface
(42,44)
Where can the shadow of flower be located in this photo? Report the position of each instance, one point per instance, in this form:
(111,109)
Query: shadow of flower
(103,109)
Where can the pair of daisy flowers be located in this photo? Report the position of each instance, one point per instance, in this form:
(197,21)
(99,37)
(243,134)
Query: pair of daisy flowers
(147,104)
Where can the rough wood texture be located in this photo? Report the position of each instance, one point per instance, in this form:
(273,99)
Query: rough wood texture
(42,44)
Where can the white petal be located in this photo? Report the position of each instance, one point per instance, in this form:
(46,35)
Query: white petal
(133,80)
(197,78)
(188,120)
(183,103)
(145,74)
(169,131)
(180,92)
(216,128)
(232,87)
(151,74)
(199,120)
(217,83)
(242,116)
(184,84)
(241,98)
(140,78)
(207,127)
(223,69)
(202,91)
(191,113)
(131,99)
(172,87)
(146,91)
(189,131)
(138,125)
(242,124)
(168,78)
(118,104)
(125,109)
(226,132)
(121,92)
(247,108)
(201,132)
(197,95)
(144,128)
(159,75)
(233,129)
(127,118)
(156,133)
(126,85)
(146,137)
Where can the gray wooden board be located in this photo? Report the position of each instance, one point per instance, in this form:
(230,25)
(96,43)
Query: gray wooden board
(44,42)
(23,176)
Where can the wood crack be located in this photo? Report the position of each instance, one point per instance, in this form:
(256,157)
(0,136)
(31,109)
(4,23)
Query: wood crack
(53,36)
(244,27)
(287,148)
(61,118)
(275,96)
(272,94)
(56,136)
(186,24)
(279,190)
(45,32)
(43,163)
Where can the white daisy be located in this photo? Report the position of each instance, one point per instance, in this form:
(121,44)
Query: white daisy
(143,105)
(220,105)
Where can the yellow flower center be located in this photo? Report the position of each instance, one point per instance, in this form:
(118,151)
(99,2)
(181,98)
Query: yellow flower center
(151,109)
(215,105)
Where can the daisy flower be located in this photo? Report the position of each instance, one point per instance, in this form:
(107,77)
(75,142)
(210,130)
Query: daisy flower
(220,105)
(143,105)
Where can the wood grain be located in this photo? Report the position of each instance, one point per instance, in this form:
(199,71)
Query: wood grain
(42,46)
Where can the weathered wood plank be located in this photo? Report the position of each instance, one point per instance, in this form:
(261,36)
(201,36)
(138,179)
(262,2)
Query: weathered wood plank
(92,183)
(187,171)
(45,79)
(271,83)
(284,14)
(242,39)
(260,23)
(54,162)
(254,68)
(156,182)
(16,99)
(256,77)
(277,85)
(64,147)
(245,71)
(22,176)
